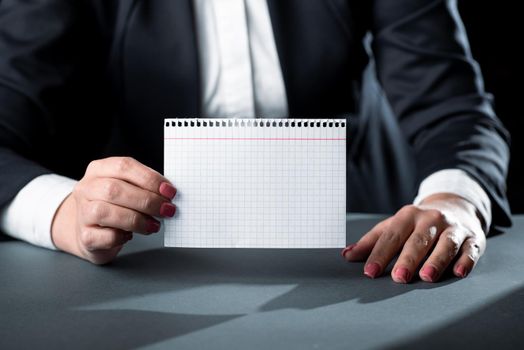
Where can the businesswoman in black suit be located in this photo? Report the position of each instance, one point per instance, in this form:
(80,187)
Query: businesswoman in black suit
(85,85)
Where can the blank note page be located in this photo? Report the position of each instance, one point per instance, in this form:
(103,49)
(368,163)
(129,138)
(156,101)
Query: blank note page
(256,183)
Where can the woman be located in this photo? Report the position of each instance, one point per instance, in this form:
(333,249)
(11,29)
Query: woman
(97,78)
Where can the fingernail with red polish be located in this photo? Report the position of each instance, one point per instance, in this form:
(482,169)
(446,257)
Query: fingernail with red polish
(167,209)
(167,190)
(461,271)
(372,270)
(348,249)
(429,273)
(402,275)
(152,226)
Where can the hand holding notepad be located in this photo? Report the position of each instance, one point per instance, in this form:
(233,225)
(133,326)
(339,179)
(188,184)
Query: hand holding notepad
(257,183)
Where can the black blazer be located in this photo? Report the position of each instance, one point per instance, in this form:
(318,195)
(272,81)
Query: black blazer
(97,77)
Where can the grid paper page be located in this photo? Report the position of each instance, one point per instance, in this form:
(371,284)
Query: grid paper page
(256,183)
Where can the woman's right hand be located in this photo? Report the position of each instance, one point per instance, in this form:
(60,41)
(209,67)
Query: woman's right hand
(116,197)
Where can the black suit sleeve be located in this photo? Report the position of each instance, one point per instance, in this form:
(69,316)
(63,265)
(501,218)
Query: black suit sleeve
(435,89)
(35,65)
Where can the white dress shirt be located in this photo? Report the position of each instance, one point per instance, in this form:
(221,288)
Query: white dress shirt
(241,77)
(30,214)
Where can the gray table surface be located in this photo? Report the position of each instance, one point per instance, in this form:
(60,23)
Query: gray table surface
(159,297)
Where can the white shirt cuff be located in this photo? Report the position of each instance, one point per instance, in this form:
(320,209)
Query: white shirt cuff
(30,214)
(457,182)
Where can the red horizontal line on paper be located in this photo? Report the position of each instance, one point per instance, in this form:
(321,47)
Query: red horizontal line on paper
(256,138)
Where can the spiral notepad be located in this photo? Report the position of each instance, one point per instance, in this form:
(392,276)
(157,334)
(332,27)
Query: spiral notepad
(256,183)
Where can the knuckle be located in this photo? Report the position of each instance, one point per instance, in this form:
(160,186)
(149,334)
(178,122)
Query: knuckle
(96,211)
(420,240)
(409,260)
(112,240)
(150,180)
(390,237)
(111,190)
(92,166)
(440,262)
(450,246)
(147,203)
(408,211)
(452,243)
(474,251)
(123,164)
(134,220)
(87,239)
(78,187)
(436,215)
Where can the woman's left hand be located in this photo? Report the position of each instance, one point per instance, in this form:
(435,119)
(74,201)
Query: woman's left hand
(444,228)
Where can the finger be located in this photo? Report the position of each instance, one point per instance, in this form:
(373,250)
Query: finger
(446,249)
(360,251)
(109,215)
(470,252)
(126,195)
(390,241)
(100,257)
(132,171)
(95,238)
(417,246)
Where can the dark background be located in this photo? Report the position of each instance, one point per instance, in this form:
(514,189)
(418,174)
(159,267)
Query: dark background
(494,29)
(495,33)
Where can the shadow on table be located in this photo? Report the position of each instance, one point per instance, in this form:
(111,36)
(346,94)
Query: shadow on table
(498,325)
(320,278)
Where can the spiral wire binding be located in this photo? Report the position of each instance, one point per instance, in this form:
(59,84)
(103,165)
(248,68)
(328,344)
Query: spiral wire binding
(267,123)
